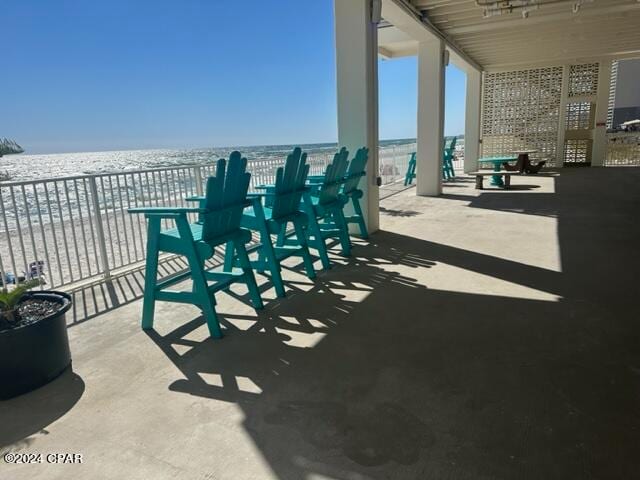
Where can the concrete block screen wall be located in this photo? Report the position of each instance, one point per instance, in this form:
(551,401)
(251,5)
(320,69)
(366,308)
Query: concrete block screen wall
(551,109)
(520,110)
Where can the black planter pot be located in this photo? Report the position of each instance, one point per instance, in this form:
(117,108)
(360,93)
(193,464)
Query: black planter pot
(33,355)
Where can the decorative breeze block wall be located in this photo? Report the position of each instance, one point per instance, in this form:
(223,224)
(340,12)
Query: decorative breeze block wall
(583,79)
(521,110)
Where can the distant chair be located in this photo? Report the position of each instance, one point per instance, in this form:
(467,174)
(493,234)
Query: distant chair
(411,170)
(355,172)
(518,167)
(524,165)
(533,169)
(448,171)
(284,198)
(219,224)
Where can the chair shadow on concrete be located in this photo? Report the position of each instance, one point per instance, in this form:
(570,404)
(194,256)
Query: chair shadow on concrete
(29,414)
(505,201)
(95,299)
(92,300)
(372,374)
(398,213)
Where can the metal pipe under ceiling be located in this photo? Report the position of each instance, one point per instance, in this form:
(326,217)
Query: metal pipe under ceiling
(498,7)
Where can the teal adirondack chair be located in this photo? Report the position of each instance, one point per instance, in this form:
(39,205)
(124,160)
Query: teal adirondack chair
(411,170)
(448,172)
(219,222)
(284,199)
(325,209)
(351,192)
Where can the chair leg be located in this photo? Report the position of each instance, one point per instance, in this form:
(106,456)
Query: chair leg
(265,240)
(250,279)
(228,256)
(507,182)
(304,248)
(204,298)
(361,223)
(341,223)
(261,262)
(318,242)
(313,230)
(282,235)
(276,277)
(210,315)
(150,274)
(269,259)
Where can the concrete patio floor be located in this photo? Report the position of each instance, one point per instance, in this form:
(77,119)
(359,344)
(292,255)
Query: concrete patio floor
(479,335)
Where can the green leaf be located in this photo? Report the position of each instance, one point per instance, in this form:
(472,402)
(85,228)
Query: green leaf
(10,298)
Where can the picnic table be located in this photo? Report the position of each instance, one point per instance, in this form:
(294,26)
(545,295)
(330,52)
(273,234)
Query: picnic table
(497,164)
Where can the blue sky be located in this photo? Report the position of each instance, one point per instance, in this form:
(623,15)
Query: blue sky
(120,74)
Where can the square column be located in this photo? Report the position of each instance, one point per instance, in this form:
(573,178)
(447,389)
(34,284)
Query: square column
(430,117)
(472,120)
(357,91)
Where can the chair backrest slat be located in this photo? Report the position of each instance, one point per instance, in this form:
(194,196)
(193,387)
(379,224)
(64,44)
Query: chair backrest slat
(449,147)
(290,184)
(225,198)
(334,178)
(357,169)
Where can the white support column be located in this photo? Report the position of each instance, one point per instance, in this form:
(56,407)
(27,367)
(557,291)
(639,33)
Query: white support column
(357,91)
(599,151)
(430,117)
(472,120)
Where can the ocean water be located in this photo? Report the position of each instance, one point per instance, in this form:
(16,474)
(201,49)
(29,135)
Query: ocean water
(28,167)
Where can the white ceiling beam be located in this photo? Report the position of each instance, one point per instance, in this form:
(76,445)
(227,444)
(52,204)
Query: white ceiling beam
(548,48)
(385,53)
(497,67)
(558,17)
(405,17)
(391,34)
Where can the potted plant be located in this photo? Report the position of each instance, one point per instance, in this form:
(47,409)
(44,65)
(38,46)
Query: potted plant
(34,346)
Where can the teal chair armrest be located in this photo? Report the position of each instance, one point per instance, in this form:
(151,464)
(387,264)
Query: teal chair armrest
(171,211)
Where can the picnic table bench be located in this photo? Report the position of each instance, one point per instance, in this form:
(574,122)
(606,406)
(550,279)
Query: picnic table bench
(506,184)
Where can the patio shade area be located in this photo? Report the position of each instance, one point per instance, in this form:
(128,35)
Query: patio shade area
(478,335)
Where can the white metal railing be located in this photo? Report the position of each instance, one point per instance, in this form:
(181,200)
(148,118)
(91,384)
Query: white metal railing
(78,226)
(393,162)
(623,149)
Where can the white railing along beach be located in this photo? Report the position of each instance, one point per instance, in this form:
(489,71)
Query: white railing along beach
(79,228)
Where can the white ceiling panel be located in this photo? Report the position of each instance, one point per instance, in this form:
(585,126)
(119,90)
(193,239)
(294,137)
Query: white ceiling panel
(551,32)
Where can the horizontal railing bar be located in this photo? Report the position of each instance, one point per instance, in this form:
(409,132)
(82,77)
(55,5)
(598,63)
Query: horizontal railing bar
(264,161)
(96,175)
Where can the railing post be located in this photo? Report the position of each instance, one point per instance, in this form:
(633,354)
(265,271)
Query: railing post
(198,173)
(396,166)
(102,242)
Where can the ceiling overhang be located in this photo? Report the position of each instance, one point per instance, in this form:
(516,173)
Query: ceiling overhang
(549,32)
